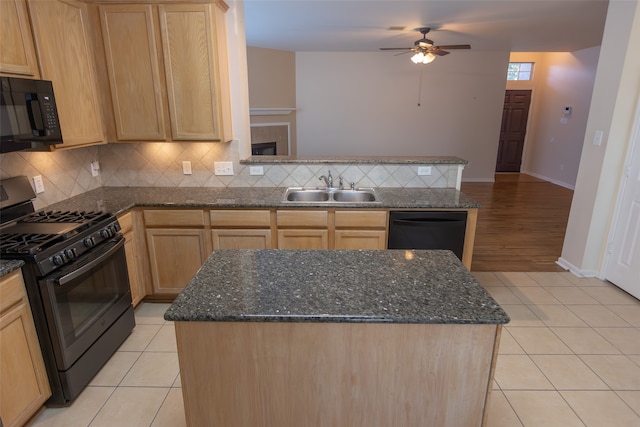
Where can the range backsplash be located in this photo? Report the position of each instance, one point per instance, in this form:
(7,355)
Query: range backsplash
(67,173)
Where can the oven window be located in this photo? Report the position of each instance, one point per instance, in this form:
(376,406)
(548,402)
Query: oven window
(82,302)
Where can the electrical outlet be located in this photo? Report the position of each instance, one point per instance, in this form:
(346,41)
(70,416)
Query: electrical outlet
(223,168)
(424,170)
(95,169)
(256,170)
(186,167)
(38,184)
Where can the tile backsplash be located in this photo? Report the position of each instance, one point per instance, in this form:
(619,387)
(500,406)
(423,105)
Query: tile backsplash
(67,173)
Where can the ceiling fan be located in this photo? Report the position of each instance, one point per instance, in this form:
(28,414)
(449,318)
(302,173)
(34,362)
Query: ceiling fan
(425,51)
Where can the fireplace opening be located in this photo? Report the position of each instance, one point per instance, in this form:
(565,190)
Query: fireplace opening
(264,149)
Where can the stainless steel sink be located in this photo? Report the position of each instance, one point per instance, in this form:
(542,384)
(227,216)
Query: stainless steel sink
(330,195)
(304,195)
(354,196)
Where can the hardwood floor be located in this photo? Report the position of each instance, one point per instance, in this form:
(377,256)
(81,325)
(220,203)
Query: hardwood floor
(521,223)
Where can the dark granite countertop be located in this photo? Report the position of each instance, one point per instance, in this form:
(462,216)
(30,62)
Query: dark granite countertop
(118,199)
(370,160)
(393,286)
(9,265)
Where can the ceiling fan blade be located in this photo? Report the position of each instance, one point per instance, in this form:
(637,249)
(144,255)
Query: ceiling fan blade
(454,46)
(396,48)
(403,53)
(439,52)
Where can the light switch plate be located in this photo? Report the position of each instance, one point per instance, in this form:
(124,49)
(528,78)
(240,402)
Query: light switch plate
(424,170)
(95,169)
(597,138)
(223,168)
(186,167)
(38,184)
(256,170)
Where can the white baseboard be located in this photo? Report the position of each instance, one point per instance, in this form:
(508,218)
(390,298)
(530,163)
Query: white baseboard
(575,270)
(551,180)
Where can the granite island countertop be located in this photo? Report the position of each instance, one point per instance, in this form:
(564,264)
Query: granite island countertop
(119,199)
(392,286)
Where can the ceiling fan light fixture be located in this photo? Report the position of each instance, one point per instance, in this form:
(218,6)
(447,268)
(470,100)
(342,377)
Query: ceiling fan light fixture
(418,58)
(421,58)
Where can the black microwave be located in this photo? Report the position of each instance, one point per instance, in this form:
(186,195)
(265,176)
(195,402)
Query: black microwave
(28,115)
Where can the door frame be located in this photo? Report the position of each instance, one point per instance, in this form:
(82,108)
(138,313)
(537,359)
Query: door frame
(525,144)
(634,144)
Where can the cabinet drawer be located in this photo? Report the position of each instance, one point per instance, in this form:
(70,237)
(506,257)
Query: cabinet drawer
(11,290)
(174,218)
(302,218)
(240,218)
(361,219)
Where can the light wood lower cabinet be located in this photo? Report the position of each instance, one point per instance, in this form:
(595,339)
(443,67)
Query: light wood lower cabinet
(241,229)
(360,229)
(303,229)
(303,239)
(24,386)
(177,244)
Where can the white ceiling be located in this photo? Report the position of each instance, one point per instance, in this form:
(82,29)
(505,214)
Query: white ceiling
(362,25)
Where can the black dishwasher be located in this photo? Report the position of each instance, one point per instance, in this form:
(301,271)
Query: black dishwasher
(427,230)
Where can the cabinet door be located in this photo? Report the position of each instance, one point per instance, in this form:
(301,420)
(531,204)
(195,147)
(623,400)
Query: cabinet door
(129,37)
(131,250)
(17,55)
(175,255)
(360,239)
(303,239)
(24,386)
(241,239)
(66,58)
(191,69)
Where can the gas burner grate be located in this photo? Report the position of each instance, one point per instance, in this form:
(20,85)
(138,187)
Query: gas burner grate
(26,243)
(64,216)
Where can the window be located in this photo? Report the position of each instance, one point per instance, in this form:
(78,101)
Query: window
(520,71)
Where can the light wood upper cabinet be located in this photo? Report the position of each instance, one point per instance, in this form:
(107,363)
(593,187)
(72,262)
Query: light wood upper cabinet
(24,385)
(167,59)
(66,58)
(129,36)
(17,54)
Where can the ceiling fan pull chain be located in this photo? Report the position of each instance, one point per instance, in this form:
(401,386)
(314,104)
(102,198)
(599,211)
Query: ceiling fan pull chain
(420,86)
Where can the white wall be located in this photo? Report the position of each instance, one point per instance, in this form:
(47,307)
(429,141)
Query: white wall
(615,94)
(367,104)
(552,149)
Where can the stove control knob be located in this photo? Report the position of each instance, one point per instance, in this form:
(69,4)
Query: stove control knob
(70,253)
(89,242)
(59,259)
(106,233)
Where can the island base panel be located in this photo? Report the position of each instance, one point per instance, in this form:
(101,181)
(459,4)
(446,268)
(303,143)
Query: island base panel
(335,374)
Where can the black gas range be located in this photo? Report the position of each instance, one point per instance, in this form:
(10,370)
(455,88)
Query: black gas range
(76,278)
(51,239)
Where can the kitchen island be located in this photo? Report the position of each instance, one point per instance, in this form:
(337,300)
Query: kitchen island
(336,338)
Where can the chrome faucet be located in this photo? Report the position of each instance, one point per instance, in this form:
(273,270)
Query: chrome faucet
(328,180)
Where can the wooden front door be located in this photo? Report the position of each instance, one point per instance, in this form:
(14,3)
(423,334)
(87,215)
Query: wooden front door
(513,130)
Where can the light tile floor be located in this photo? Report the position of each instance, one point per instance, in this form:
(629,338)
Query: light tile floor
(569,357)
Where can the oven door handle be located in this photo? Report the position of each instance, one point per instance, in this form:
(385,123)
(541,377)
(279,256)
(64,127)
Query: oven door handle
(87,267)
